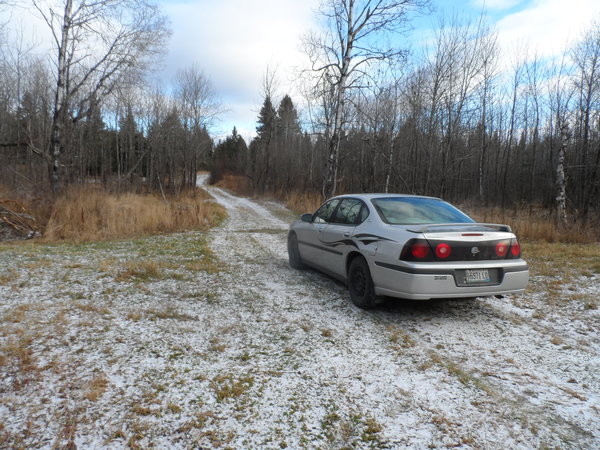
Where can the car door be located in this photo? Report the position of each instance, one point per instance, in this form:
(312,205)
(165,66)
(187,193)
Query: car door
(337,234)
(310,241)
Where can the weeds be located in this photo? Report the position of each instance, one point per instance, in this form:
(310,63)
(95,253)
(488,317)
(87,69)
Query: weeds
(97,387)
(236,183)
(227,386)
(174,408)
(86,213)
(326,332)
(372,428)
(464,377)
(8,277)
(538,224)
(400,338)
(139,271)
(167,313)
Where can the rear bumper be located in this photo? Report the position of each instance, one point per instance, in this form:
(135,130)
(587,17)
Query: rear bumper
(429,281)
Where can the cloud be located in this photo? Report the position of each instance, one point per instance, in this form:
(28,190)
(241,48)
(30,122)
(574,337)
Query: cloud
(546,27)
(233,41)
(496,4)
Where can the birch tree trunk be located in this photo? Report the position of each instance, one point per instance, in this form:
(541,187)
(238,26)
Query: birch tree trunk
(98,43)
(561,182)
(342,56)
(56,147)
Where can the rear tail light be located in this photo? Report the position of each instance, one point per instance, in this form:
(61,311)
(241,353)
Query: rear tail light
(502,249)
(416,250)
(515,248)
(420,250)
(443,250)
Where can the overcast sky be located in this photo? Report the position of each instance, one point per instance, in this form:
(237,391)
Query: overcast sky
(233,41)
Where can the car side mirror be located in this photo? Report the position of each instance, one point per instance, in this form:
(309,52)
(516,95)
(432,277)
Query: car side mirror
(306,218)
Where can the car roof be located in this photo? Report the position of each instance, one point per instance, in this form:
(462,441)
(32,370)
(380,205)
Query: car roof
(383,195)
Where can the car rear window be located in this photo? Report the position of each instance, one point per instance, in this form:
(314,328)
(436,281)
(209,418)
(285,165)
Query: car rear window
(417,210)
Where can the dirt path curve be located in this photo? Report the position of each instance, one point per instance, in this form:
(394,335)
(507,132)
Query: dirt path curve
(447,373)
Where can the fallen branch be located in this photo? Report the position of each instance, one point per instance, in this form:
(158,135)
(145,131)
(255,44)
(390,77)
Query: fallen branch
(20,221)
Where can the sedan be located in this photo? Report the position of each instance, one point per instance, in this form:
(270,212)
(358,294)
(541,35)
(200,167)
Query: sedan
(407,246)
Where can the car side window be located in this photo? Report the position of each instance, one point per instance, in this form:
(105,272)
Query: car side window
(364,213)
(323,214)
(348,211)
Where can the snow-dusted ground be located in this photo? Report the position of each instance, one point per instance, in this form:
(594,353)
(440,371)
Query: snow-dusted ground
(254,354)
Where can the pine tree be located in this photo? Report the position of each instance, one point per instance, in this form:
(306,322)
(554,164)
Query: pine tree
(260,147)
(287,123)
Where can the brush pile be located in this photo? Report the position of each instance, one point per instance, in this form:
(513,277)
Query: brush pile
(15,222)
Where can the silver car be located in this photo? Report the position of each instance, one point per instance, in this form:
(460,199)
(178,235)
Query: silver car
(408,247)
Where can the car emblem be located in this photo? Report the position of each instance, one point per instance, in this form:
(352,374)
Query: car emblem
(474,251)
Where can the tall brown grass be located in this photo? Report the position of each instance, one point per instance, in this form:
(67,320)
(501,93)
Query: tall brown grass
(88,213)
(539,224)
(235,183)
(302,202)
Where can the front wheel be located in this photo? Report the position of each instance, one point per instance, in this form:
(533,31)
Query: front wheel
(360,284)
(294,253)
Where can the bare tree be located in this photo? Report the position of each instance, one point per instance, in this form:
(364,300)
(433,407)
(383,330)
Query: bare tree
(561,181)
(586,56)
(340,56)
(199,107)
(96,43)
(560,95)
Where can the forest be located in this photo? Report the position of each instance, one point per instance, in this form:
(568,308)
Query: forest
(457,119)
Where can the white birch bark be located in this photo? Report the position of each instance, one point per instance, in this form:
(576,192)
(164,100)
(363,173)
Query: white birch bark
(561,181)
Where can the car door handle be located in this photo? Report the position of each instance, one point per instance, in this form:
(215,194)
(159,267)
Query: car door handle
(347,235)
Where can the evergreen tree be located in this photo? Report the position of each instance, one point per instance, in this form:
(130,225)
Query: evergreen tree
(261,158)
(230,154)
(287,123)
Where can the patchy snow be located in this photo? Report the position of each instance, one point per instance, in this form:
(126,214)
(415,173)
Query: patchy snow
(254,354)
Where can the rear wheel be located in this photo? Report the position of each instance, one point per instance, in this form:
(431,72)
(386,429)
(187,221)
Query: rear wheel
(360,284)
(294,253)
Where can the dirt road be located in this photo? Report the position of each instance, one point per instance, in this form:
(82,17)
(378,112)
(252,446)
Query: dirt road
(478,373)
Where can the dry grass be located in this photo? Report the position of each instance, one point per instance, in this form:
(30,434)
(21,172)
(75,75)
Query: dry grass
(538,224)
(228,386)
(236,183)
(8,277)
(139,271)
(97,386)
(297,201)
(302,202)
(555,268)
(557,260)
(87,213)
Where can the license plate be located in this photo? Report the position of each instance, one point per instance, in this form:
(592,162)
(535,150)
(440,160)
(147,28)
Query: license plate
(477,276)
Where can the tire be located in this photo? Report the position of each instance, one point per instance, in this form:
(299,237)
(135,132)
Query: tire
(360,284)
(294,253)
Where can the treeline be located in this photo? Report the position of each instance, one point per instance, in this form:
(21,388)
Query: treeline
(453,123)
(458,120)
(87,113)
(139,139)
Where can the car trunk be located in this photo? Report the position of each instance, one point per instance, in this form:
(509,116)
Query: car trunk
(470,242)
